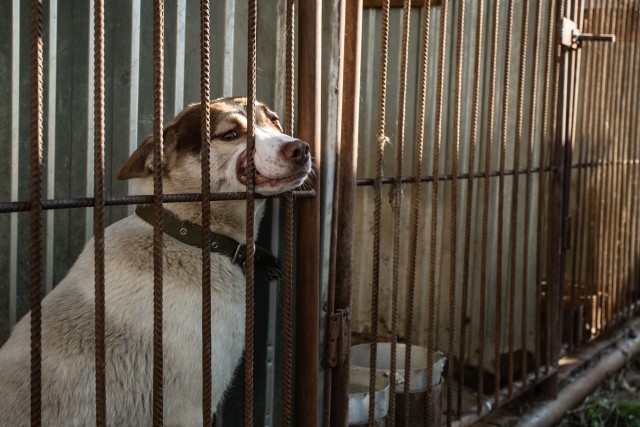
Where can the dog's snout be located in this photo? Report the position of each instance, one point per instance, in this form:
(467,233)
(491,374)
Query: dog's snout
(296,151)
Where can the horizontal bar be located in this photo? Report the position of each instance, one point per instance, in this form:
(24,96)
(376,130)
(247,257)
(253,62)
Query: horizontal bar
(605,163)
(410,179)
(87,202)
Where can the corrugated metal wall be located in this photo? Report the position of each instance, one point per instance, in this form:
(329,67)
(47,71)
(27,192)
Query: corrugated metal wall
(366,169)
(68,129)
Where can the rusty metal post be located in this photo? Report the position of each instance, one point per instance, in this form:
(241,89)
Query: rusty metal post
(558,206)
(308,227)
(346,185)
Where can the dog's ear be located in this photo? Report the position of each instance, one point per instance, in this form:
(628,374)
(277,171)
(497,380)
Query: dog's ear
(140,163)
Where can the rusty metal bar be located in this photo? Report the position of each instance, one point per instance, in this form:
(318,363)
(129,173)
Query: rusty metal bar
(582,212)
(415,208)
(287,284)
(158,153)
(308,228)
(632,135)
(380,142)
(615,199)
(205,135)
(448,177)
(596,133)
(469,204)
(442,46)
(454,216)
(625,59)
(98,212)
(528,184)
(252,23)
(486,196)
(346,185)
(605,180)
(396,203)
(556,219)
(547,132)
(87,202)
(624,264)
(35,183)
(501,191)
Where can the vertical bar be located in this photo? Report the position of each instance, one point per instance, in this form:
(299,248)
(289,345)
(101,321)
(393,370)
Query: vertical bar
(613,147)
(631,135)
(513,238)
(35,238)
(98,210)
(623,59)
(308,228)
(547,131)
(380,143)
(249,264)
(486,196)
(501,185)
(470,193)
(415,207)
(528,197)
(15,143)
(205,136)
(434,206)
(158,152)
(604,181)
(346,186)
(602,67)
(453,266)
(51,136)
(396,203)
(288,223)
(560,152)
(582,211)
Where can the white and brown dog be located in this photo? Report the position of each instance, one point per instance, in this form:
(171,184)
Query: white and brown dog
(68,385)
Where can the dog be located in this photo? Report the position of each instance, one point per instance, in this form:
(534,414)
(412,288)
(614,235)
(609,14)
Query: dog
(282,163)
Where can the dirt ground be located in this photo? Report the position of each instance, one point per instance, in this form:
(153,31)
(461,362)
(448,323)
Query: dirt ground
(615,403)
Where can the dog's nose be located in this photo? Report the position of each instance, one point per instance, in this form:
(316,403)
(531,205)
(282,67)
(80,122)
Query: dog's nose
(296,151)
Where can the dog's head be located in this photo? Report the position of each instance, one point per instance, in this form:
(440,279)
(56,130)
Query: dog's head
(281,162)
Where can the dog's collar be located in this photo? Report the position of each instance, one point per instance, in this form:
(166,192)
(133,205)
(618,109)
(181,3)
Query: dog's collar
(191,234)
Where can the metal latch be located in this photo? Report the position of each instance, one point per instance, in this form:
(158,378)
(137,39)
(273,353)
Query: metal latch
(572,37)
(338,338)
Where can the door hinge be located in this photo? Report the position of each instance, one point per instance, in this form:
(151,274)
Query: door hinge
(572,37)
(339,338)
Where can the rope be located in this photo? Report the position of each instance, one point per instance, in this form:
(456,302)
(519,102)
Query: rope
(250,316)
(381,139)
(35,240)
(205,132)
(98,212)
(288,223)
(158,75)
(415,209)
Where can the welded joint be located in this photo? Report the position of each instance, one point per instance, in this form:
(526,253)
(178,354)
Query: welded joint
(339,340)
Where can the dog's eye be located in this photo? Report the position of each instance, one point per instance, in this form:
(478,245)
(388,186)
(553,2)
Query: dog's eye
(232,134)
(275,120)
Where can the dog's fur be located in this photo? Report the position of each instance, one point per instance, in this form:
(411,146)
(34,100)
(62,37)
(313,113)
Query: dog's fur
(68,357)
